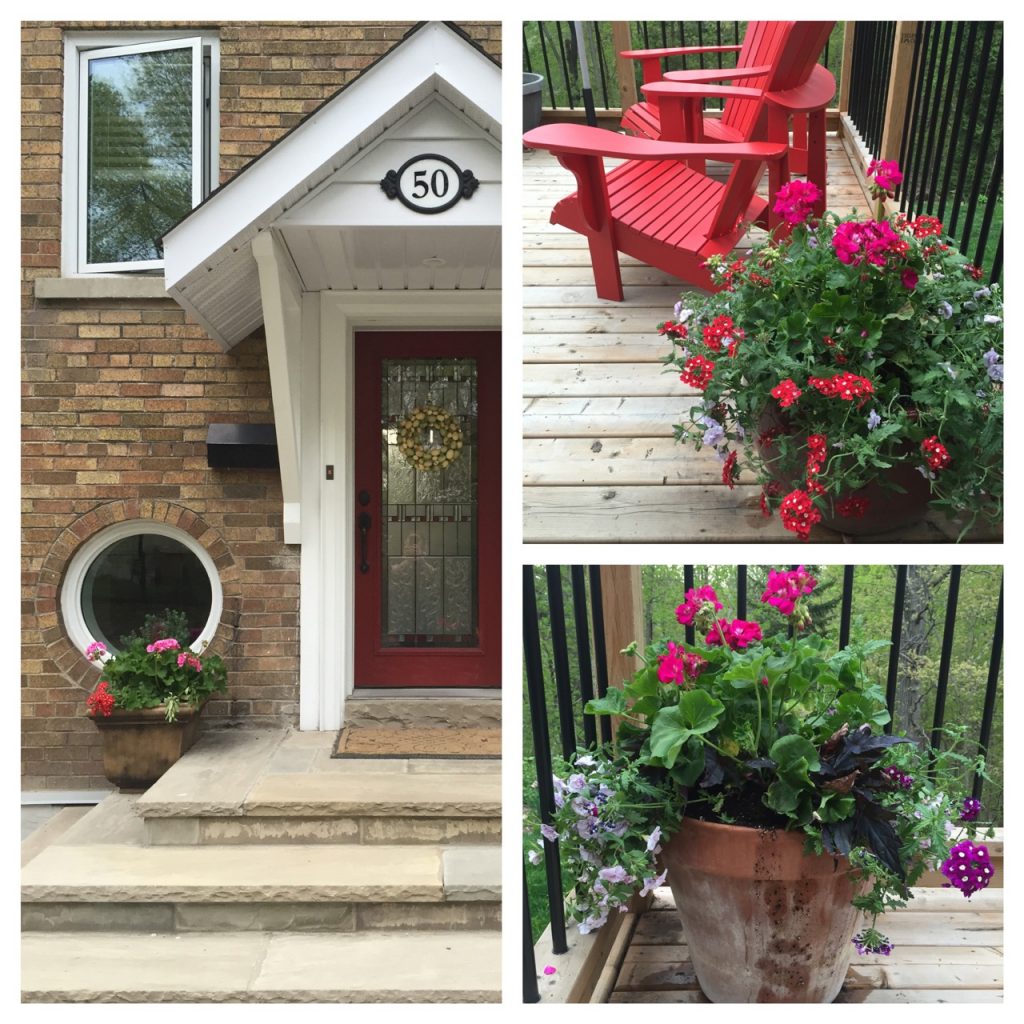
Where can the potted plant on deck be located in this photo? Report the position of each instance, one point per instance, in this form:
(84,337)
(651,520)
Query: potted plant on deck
(149,698)
(754,774)
(853,365)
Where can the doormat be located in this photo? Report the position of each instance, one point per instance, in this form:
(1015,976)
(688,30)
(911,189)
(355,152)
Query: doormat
(374,741)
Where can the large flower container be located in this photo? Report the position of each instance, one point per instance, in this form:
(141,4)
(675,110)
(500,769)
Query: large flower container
(764,922)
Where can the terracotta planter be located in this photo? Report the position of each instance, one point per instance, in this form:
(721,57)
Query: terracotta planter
(764,923)
(139,746)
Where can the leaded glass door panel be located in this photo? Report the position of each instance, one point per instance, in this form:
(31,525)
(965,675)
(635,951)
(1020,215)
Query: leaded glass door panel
(428,546)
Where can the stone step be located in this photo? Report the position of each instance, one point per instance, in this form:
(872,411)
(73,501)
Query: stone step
(260,888)
(275,787)
(274,967)
(401,708)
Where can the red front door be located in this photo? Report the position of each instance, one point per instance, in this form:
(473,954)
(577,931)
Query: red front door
(428,509)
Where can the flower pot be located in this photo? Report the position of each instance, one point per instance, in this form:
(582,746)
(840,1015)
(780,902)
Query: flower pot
(139,746)
(887,509)
(531,100)
(764,922)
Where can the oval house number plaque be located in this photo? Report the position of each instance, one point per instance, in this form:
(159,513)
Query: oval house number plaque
(429,183)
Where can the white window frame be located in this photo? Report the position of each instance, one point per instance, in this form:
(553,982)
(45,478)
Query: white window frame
(79,49)
(78,630)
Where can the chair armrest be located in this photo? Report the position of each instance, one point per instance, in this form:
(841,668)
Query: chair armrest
(582,140)
(677,51)
(815,94)
(679,91)
(716,74)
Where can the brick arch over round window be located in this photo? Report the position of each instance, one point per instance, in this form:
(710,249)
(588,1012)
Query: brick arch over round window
(71,662)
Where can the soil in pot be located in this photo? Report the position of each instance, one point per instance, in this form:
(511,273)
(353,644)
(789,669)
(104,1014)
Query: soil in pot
(764,922)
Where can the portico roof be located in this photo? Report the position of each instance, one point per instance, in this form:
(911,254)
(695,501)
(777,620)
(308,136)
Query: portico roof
(317,192)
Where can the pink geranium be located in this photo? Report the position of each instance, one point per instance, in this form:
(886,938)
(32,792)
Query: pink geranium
(170,644)
(786,588)
(694,600)
(886,173)
(737,634)
(870,240)
(794,202)
(679,666)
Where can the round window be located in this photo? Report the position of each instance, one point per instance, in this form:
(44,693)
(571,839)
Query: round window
(138,571)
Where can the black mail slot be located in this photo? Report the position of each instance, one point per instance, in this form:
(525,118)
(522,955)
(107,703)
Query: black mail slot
(241,446)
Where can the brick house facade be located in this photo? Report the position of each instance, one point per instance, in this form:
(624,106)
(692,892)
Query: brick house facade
(120,386)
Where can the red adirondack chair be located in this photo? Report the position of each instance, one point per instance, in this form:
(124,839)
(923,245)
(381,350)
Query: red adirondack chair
(781,90)
(654,207)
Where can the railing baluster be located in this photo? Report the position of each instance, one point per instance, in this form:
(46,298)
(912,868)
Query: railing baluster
(547,63)
(566,70)
(960,67)
(741,591)
(894,651)
(990,690)
(542,753)
(689,631)
(579,609)
(986,139)
(847,606)
(560,650)
(946,655)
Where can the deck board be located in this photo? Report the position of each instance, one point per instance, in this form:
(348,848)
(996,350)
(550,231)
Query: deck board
(946,950)
(594,373)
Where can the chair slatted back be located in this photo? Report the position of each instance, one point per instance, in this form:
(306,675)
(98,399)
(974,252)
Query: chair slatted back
(763,43)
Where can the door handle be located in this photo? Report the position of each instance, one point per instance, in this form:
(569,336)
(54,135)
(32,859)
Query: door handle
(364,529)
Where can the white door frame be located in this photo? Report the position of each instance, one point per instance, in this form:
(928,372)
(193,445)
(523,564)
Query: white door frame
(328,561)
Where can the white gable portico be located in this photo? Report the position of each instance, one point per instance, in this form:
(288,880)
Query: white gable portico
(364,238)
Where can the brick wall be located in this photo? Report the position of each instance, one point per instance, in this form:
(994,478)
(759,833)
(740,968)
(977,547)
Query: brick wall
(117,395)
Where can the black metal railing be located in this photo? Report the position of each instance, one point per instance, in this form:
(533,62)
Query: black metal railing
(550,49)
(951,138)
(869,79)
(575,655)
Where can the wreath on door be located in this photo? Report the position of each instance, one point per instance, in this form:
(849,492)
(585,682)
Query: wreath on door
(429,438)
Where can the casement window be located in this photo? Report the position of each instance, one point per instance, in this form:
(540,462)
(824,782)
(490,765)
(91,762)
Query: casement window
(140,127)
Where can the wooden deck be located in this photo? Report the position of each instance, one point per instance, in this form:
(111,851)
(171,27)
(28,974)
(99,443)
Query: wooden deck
(947,950)
(599,460)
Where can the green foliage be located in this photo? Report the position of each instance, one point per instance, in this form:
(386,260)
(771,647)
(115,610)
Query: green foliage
(156,668)
(801,315)
(793,723)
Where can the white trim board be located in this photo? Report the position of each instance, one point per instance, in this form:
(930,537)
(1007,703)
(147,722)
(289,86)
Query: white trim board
(330,321)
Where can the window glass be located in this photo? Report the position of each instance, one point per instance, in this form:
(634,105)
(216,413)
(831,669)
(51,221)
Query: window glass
(140,170)
(141,575)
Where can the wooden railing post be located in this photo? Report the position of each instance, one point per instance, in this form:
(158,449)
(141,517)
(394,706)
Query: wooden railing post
(623,618)
(621,40)
(899,90)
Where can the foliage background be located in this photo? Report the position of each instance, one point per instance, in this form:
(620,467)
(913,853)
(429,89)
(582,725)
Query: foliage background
(874,589)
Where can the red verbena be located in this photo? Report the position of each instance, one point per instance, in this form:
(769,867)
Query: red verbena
(786,392)
(798,513)
(935,452)
(698,372)
(729,471)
